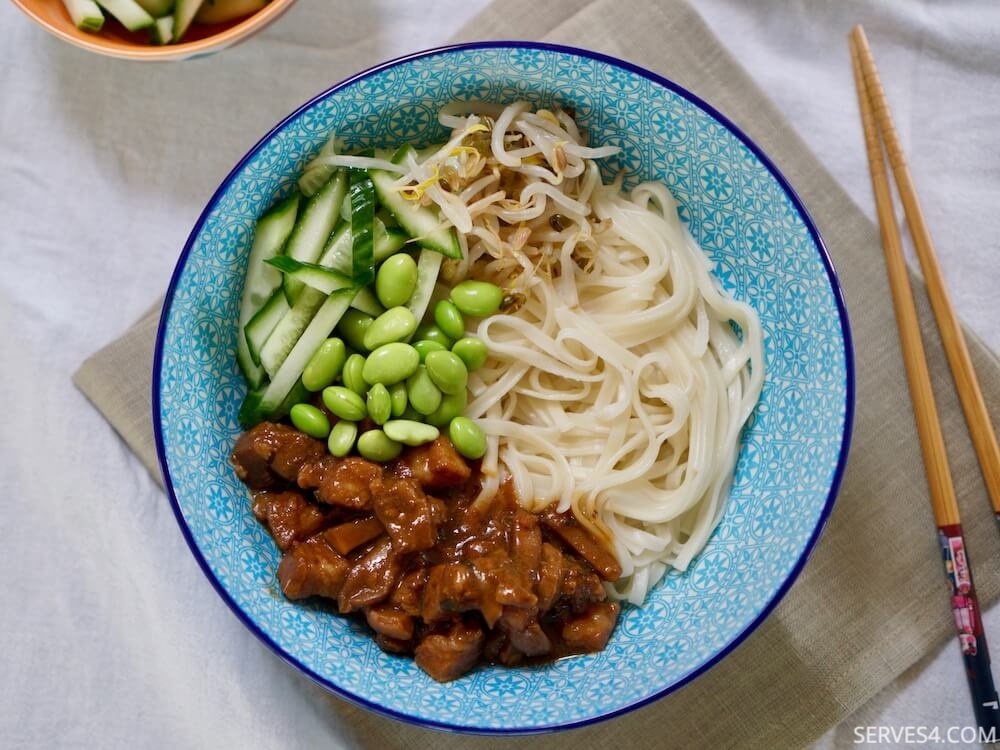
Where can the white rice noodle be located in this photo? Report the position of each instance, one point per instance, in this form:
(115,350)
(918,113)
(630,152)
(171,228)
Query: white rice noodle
(617,388)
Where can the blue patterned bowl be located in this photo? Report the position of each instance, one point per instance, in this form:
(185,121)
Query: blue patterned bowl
(766,251)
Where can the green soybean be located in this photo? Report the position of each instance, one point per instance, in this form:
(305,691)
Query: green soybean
(352,374)
(344,403)
(467,437)
(352,328)
(375,445)
(310,420)
(424,396)
(391,364)
(451,406)
(477,298)
(342,438)
(397,394)
(393,325)
(429,332)
(449,319)
(325,365)
(410,432)
(396,280)
(379,404)
(447,371)
(425,347)
(471,351)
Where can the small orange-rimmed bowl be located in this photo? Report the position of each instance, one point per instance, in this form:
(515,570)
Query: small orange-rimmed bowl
(115,41)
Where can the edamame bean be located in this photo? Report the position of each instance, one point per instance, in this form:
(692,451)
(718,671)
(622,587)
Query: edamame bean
(391,364)
(325,365)
(471,351)
(433,333)
(310,420)
(344,403)
(342,438)
(392,325)
(467,437)
(424,396)
(375,445)
(397,394)
(447,371)
(396,280)
(449,319)
(352,328)
(425,347)
(410,432)
(451,406)
(352,374)
(379,404)
(477,298)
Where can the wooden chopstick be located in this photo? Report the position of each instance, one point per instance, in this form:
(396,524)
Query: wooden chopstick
(964,603)
(980,428)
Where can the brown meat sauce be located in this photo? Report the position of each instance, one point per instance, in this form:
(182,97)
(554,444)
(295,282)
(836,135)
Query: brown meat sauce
(403,547)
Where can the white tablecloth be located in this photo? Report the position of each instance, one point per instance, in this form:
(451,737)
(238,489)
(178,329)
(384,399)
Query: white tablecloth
(111,636)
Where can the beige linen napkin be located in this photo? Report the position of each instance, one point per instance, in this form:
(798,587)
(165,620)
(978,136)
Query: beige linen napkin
(871,602)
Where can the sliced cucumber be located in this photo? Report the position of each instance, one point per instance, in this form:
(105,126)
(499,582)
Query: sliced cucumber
(320,278)
(263,323)
(366,301)
(129,13)
(157,8)
(422,223)
(220,11)
(261,280)
(162,32)
(338,252)
(286,334)
(85,14)
(313,229)
(251,412)
(184,13)
(326,280)
(362,227)
(428,266)
(326,318)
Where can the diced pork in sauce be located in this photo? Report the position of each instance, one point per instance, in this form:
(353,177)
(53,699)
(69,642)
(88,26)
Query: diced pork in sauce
(404,547)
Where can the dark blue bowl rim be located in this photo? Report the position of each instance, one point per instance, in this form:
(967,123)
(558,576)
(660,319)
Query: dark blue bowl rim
(838,475)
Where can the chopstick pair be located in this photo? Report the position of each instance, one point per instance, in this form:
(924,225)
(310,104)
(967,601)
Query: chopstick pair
(877,120)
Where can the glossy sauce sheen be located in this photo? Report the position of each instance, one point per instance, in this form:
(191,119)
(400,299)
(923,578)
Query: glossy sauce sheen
(404,547)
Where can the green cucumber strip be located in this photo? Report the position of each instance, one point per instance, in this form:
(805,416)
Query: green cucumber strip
(326,318)
(220,11)
(162,32)
(326,280)
(251,412)
(129,12)
(320,278)
(263,323)
(428,265)
(362,227)
(286,334)
(422,223)
(85,14)
(261,280)
(367,302)
(313,229)
(184,13)
(157,8)
(337,254)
